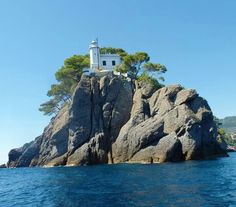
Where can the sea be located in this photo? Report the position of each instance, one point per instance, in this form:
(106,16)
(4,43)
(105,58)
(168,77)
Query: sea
(190,184)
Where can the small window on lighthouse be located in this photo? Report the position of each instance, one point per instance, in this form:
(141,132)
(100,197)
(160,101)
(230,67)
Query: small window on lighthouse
(104,63)
(113,62)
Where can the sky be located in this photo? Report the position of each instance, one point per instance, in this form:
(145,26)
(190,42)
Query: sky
(194,39)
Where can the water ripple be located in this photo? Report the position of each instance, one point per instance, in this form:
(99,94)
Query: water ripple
(193,183)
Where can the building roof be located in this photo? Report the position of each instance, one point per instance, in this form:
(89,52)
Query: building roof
(109,55)
(94,43)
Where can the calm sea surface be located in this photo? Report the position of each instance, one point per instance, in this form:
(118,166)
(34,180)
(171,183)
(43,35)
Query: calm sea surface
(193,183)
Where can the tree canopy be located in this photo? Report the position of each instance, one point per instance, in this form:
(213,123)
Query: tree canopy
(67,78)
(137,65)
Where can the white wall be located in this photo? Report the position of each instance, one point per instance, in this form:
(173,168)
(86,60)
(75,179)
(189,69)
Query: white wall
(94,57)
(109,58)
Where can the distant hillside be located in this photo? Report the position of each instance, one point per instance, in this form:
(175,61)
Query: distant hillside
(229,124)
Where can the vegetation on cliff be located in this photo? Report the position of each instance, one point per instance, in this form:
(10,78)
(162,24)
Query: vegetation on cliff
(229,124)
(137,65)
(67,78)
(226,137)
(226,132)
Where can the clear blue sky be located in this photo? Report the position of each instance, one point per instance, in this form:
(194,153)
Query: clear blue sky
(195,39)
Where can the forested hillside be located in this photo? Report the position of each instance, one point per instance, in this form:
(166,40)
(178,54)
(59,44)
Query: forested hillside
(229,124)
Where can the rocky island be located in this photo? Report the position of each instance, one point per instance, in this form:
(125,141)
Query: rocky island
(114,120)
(109,107)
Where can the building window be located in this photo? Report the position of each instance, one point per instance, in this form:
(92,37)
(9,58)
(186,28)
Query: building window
(113,62)
(104,63)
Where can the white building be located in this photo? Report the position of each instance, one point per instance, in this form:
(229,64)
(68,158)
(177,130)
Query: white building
(102,62)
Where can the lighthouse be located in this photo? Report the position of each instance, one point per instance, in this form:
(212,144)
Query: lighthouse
(94,56)
(102,62)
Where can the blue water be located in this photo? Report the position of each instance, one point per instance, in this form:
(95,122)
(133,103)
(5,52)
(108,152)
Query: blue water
(192,183)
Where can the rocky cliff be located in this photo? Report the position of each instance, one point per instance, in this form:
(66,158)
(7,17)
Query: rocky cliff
(112,120)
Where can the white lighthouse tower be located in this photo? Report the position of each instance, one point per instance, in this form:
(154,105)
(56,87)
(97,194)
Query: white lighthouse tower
(94,56)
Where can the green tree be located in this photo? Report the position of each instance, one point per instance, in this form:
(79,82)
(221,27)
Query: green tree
(72,68)
(62,91)
(67,78)
(50,107)
(133,63)
(145,77)
(221,132)
(110,50)
(226,137)
(137,65)
(155,68)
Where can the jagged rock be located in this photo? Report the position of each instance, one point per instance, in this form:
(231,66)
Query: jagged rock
(3,166)
(172,110)
(169,148)
(80,125)
(15,154)
(51,144)
(146,89)
(184,96)
(93,152)
(112,120)
(58,161)
(23,156)
(54,140)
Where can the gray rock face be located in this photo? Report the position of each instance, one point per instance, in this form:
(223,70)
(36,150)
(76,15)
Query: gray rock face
(83,131)
(111,120)
(3,166)
(179,126)
(169,148)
